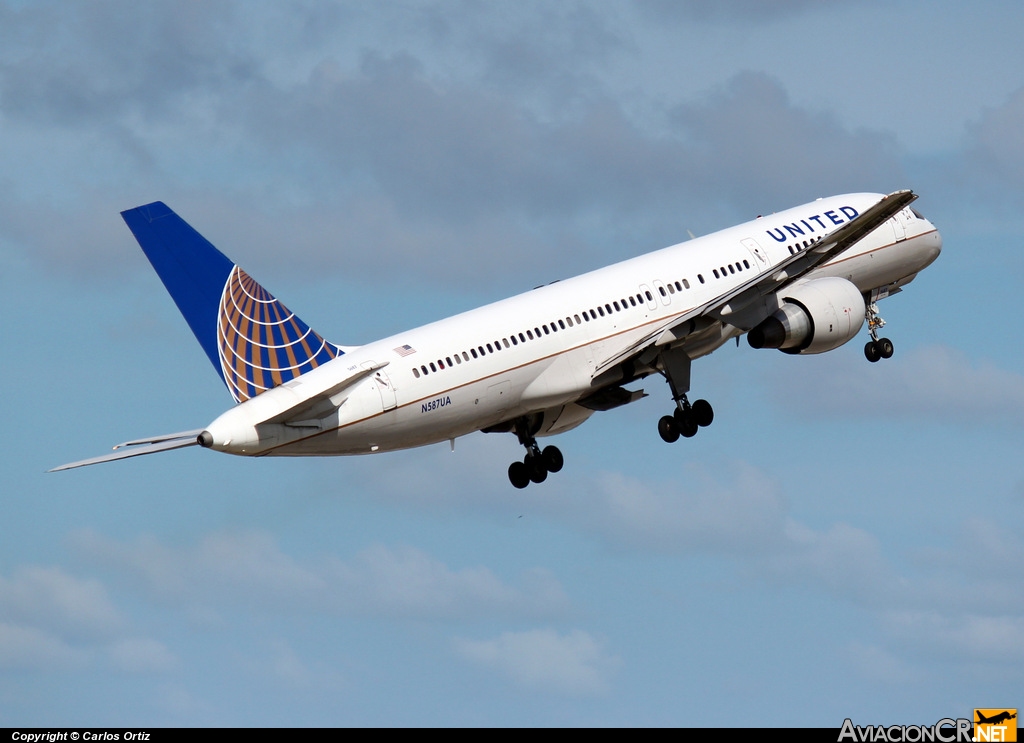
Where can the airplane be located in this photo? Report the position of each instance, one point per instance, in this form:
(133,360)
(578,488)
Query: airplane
(994,719)
(803,281)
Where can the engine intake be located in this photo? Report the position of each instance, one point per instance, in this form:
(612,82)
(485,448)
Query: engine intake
(816,316)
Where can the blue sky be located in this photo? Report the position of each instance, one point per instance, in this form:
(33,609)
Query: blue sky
(842,542)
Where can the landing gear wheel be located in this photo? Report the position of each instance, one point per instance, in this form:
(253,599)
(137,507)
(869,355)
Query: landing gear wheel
(703,413)
(668,429)
(885,348)
(537,464)
(686,421)
(535,468)
(553,460)
(518,476)
(872,352)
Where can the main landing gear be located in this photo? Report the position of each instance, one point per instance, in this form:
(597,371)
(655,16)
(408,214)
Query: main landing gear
(537,463)
(687,418)
(876,348)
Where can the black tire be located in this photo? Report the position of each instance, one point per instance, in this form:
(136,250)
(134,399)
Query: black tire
(553,459)
(686,422)
(872,352)
(535,468)
(703,413)
(668,430)
(885,348)
(518,476)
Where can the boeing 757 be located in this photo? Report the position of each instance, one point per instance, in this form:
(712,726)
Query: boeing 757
(803,281)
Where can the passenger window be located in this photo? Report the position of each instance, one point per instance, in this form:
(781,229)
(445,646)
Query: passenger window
(490,349)
(715,271)
(432,367)
(416,372)
(700,278)
(686,283)
(505,342)
(662,290)
(650,297)
(577,320)
(561,324)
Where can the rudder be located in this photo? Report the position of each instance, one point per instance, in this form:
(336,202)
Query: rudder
(253,341)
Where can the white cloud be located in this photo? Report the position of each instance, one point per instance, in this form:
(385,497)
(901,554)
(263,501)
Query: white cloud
(51,598)
(931,382)
(964,636)
(575,664)
(693,512)
(32,648)
(141,655)
(882,666)
(248,569)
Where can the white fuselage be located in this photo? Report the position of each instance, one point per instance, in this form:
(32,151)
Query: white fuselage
(541,350)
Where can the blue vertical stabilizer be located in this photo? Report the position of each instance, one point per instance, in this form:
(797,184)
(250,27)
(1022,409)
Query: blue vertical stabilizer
(253,340)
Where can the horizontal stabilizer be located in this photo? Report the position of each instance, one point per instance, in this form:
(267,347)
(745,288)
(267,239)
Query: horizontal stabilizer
(139,447)
(319,403)
(160,439)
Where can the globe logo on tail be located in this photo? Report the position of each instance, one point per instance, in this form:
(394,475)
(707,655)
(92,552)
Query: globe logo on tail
(261,343)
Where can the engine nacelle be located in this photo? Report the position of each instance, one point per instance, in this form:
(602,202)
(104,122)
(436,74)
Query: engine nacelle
(815,317)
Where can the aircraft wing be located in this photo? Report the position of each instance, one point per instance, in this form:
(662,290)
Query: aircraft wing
(138,447)
(724,306)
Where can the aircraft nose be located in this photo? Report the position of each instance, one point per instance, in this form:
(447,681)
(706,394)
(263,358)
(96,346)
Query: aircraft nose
(934,246)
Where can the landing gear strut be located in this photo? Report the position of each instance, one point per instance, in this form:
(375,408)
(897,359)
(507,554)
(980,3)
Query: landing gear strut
(537,463)
(876,348)
(687,418)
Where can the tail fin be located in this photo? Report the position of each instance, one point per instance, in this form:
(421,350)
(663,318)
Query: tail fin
(253,341)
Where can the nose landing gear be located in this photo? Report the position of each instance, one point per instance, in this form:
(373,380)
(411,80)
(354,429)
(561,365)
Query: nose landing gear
(876,348)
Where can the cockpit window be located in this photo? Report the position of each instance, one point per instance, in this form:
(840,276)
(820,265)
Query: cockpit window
(917,213)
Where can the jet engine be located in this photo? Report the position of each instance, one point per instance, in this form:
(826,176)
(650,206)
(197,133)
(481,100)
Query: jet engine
(815,316)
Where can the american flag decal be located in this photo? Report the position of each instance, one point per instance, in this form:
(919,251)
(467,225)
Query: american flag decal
(405,350)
